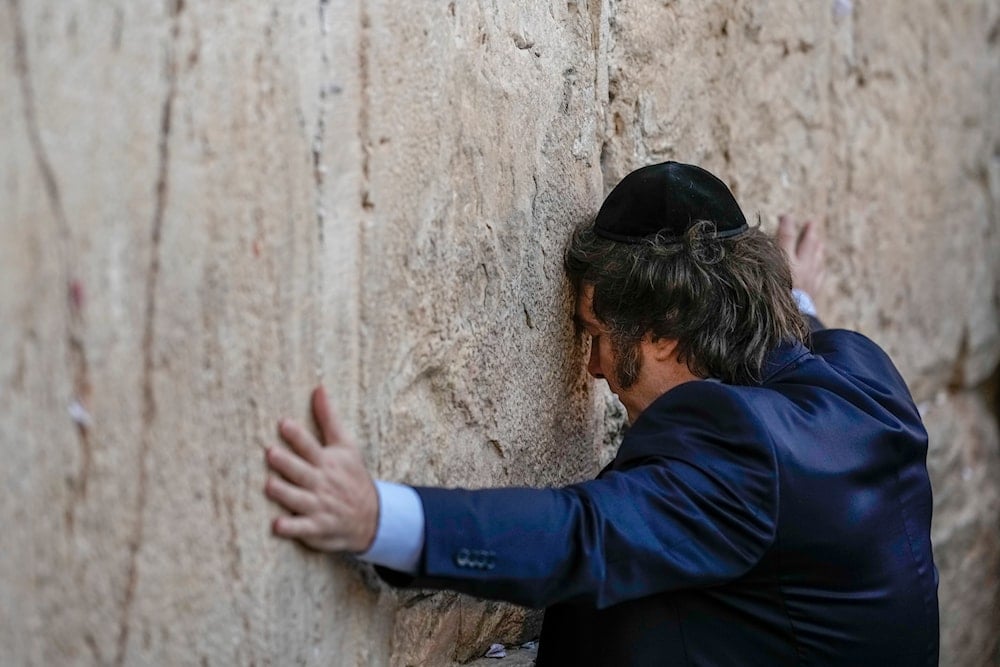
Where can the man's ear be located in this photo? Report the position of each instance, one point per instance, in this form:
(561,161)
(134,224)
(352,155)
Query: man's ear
(662,349)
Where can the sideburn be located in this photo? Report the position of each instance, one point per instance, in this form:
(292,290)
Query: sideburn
(628,363)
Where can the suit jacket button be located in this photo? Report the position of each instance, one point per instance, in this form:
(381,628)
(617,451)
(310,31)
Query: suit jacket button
(462,558)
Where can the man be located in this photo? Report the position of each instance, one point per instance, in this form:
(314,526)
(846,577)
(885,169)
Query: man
(769,504)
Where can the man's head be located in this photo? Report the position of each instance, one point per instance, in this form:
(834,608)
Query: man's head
(670,258)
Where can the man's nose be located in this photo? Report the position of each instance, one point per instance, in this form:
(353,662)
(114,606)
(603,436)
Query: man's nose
(594,364)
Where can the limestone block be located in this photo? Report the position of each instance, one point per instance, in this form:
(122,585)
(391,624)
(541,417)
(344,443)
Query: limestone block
(964,462)
(466,314)
(913,91)
(172,287)
(481,154)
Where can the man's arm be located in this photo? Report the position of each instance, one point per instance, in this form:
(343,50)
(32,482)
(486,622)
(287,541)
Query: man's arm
(697,510)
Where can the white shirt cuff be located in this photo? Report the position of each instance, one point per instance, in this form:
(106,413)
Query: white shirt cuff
(804,302)
(399,539)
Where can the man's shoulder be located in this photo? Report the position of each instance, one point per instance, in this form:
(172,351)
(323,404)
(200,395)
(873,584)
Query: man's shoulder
(694,419)
(857,357)
(846,343)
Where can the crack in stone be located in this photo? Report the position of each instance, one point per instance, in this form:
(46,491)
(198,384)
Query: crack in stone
(319,172)
(232,541)
(23,68)
(363,120)
(609,96)
(534,198)
(82,390)
(92,646)
(76,352)
(367,206)
(319,136)
(161,189)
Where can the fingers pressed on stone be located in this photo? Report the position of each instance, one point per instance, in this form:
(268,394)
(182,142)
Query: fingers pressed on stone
(296,526)
(787,233)
(291,497)
(291,467)
(301,440)
(808,239)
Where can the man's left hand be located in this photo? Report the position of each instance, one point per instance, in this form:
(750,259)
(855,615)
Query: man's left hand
(325,486)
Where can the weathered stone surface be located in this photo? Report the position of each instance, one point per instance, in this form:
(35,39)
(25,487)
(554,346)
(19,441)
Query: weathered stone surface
(207,208)
(465,310)
(171,279)
(964,462)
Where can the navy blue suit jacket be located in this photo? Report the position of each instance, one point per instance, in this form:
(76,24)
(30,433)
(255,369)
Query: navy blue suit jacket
(785,523)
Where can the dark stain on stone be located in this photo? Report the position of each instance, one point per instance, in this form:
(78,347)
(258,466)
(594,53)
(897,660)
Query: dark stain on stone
(117,28)
(94,649)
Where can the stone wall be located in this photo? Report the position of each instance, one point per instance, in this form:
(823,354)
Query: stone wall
(208,207)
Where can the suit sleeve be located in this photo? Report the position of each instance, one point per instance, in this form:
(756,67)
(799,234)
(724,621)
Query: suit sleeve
(695,511)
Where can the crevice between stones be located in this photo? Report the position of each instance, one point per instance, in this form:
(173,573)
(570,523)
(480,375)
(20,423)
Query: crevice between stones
(367,208)
(318,278)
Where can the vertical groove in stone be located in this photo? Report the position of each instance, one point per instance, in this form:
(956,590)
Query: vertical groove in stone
(319,279)
(73,321)
(161,192)
(31,120)
(366,213)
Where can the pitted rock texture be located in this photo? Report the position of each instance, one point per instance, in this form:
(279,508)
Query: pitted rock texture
(208,207)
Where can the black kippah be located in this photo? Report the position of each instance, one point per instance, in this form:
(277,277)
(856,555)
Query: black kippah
(667,199)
